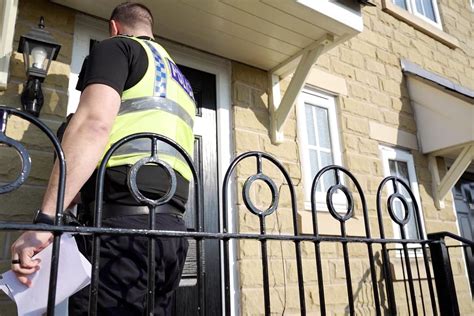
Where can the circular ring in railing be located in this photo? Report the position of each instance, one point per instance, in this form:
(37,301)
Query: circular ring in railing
(132,181)
(25,164)
(395,218)
(350,202)
(246,192)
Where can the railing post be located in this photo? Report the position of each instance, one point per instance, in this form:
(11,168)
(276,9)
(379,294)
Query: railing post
(469,253)
(445,288)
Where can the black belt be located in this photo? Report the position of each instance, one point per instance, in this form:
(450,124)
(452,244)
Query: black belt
(110,210)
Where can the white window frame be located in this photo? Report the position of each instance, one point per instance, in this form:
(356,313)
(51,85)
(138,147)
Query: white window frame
(411,7)
(309,95)
(390,153)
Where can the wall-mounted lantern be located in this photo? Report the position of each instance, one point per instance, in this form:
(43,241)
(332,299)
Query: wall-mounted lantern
(39,48)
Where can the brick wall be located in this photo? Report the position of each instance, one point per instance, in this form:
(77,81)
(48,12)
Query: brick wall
(377,93)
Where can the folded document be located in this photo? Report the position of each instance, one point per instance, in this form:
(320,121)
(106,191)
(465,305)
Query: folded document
(74,273)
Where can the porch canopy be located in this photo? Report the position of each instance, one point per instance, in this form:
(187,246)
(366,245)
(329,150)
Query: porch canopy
(279,36)
(444,113)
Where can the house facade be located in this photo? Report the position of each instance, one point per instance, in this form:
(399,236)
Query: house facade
(384,90)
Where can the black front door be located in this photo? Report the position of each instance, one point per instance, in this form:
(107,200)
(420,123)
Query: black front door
(463,193)
(464,202)
(205,158)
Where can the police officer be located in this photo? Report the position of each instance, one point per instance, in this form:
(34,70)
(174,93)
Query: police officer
(130,84)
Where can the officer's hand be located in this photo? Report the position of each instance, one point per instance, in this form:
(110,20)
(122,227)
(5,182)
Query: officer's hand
(23,249)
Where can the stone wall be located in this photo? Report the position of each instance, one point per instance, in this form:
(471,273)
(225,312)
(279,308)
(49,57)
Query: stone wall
(377,93)
(20,205)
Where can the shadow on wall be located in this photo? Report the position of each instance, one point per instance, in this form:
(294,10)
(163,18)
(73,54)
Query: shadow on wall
(14,206)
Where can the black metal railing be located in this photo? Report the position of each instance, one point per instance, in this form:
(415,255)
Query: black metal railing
(430,260)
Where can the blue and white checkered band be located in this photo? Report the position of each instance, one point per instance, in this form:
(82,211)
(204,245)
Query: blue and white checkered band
(160,73)
(178,76)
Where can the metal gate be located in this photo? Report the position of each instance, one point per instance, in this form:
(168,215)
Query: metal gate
(423,261)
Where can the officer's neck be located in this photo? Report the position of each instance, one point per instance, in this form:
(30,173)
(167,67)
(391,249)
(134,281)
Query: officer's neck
(136,32)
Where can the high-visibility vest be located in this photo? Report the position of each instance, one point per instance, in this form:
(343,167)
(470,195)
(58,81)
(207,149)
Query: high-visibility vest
(161,102)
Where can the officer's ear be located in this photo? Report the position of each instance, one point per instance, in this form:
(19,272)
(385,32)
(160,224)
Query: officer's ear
(114,28)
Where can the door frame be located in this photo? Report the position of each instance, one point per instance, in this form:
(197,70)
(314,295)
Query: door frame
(86,26)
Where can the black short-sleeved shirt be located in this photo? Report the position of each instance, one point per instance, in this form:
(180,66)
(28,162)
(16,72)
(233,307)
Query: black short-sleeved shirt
(120,63)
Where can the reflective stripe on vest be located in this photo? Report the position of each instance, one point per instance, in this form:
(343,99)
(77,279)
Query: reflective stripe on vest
(159,103)
(149,103)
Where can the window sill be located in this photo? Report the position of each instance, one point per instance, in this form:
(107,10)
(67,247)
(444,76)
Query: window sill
(419,24)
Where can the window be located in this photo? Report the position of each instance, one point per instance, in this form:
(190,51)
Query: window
(425,9)
(319,140)
(399,163)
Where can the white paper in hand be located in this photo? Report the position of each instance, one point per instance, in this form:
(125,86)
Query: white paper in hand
(74,274)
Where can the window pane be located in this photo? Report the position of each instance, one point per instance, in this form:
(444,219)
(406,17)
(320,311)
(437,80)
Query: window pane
(400,169)
(310,126)
(400,3)
(329,178)
(425,7)
(393,167)
(411,228)
(314,162)
(323,127)
(403,171)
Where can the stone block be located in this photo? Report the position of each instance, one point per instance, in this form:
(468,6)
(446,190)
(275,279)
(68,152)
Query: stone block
(287,151)
(391,86)
(259,99)
(56,16)
(251,119)
(359,91)
(394,73)
(364,48)
(399,50)
(380,99)
(352,58)
(422,48)
(387,57)
(29,135)
(246,141)
(249,75)
(375,66)
(367,77)
(362,109)
(15,207)
(401,105)
(368,146)
(351,142)
(343,69)
(356,124)
(251,275)
(249,249)
(408,123)
(391,118)
(10,162)
(358,163)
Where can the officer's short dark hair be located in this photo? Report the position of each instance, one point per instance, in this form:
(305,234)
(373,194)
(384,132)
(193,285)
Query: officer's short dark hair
(132,14)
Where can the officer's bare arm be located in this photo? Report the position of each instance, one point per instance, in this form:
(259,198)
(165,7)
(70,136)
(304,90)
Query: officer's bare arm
(83,143)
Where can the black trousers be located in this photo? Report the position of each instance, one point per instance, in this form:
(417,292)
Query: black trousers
(123,268)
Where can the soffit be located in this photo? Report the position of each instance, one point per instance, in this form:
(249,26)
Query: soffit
(444,111)
(261,33)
